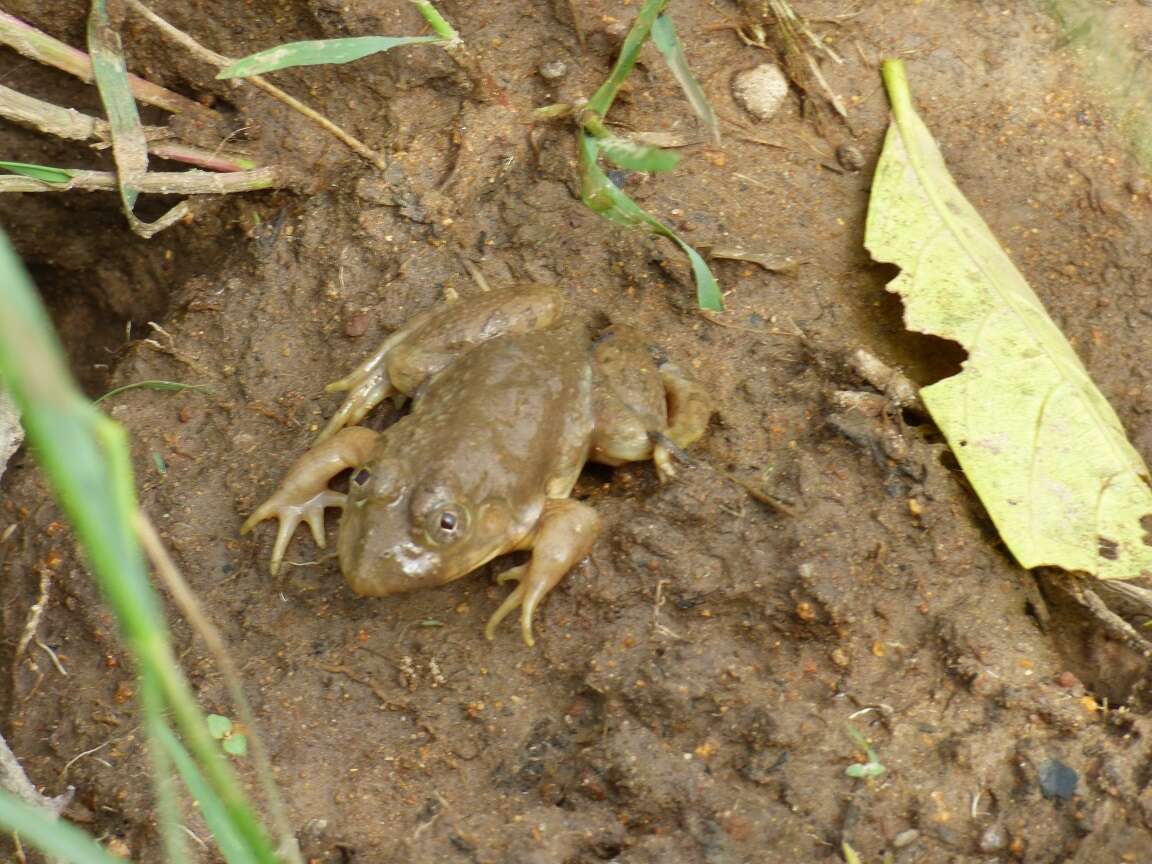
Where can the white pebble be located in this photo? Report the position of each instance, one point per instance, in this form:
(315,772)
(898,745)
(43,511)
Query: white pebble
(761,90)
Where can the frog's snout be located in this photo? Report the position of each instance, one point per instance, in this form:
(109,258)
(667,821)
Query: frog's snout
(375,564)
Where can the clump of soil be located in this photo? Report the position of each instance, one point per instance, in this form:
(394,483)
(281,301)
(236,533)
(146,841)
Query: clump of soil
(693,681)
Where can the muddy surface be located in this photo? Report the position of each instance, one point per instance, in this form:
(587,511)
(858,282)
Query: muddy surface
(692,684)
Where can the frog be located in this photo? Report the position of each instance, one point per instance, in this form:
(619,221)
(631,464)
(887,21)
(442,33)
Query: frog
(510,395)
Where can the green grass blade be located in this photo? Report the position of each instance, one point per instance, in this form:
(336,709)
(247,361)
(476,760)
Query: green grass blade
(637,157)
(436,21)
(129,145)
(86,458)
(603,196)
(168,815)
(316,52)
(149,385)
(50,835)
(38,172)
(215,812)
(603,98)
(665,38)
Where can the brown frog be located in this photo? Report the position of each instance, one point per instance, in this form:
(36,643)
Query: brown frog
(510,397)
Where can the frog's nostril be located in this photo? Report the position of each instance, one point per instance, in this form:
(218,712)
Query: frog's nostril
(362,476)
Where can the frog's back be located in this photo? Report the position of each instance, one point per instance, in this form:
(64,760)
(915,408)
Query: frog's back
(511,418)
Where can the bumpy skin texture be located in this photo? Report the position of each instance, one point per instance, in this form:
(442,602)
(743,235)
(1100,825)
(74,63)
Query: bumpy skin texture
(510,399)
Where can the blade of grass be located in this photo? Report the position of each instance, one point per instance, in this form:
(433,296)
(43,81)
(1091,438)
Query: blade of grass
(668,42)
(186,601)
(603,98)
(603,196)
(51,836)
(598,191)
(637,157)
(212,808)
(44,173)
(163,776)
(210,56)
(317,52)
(149,385)
(436,21)
(86,458)
(129,146)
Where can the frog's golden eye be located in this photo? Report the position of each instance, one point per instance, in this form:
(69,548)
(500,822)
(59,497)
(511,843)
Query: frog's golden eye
(446,524)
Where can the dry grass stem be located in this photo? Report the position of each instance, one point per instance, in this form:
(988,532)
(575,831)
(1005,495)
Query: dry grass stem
(156,182)
(193,613)
(210,56)
(38,46)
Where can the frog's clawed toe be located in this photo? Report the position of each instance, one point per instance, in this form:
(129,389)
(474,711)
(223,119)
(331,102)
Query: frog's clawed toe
(365,393)
(290,514)
(512,602)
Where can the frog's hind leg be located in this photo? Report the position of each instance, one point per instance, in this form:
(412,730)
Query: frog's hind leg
(563,536)
(435,338)
(689,410)
(643,410)
(303,495)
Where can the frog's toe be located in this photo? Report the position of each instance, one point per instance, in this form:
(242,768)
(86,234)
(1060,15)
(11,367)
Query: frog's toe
(512,574)
(512,601)
(365,394)
(665,467)
(290,514)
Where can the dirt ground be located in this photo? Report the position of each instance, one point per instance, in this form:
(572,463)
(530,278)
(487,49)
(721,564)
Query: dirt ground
(693,681)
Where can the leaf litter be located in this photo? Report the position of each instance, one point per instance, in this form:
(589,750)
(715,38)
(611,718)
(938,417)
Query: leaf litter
(1037,440)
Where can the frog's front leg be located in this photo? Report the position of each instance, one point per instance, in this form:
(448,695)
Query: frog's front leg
(563,536)
(303,495)
(435,338)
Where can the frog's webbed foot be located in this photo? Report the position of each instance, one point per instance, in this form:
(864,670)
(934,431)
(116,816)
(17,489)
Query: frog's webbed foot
(304,494)
(564,535)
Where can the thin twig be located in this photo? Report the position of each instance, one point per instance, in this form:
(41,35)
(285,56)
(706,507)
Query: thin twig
(34,615)
(190,607)
(156,182)
(35,45)
(210,56)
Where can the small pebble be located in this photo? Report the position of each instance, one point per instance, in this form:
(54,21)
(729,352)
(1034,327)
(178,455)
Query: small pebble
(850,157)
(553,70)
(1138,185)
(905,838)
(1067,680)
(1057,780)
(356,324)
(761,90)
(993,839)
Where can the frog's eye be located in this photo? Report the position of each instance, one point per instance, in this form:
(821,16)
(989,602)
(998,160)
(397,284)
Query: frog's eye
(446,524)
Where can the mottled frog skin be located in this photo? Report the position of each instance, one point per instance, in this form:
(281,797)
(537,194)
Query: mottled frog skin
(510,397)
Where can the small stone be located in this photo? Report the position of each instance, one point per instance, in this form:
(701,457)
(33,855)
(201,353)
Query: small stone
(993,839)
(1057,780)
(356,324)
(553,70)
(1138,185)
(761,90)
(850,157)
(905,838)
(1067,680)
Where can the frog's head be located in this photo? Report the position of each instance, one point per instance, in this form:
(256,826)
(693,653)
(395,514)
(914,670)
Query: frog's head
(399,534)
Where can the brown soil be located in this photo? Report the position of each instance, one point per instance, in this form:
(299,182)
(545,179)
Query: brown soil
(692,683)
